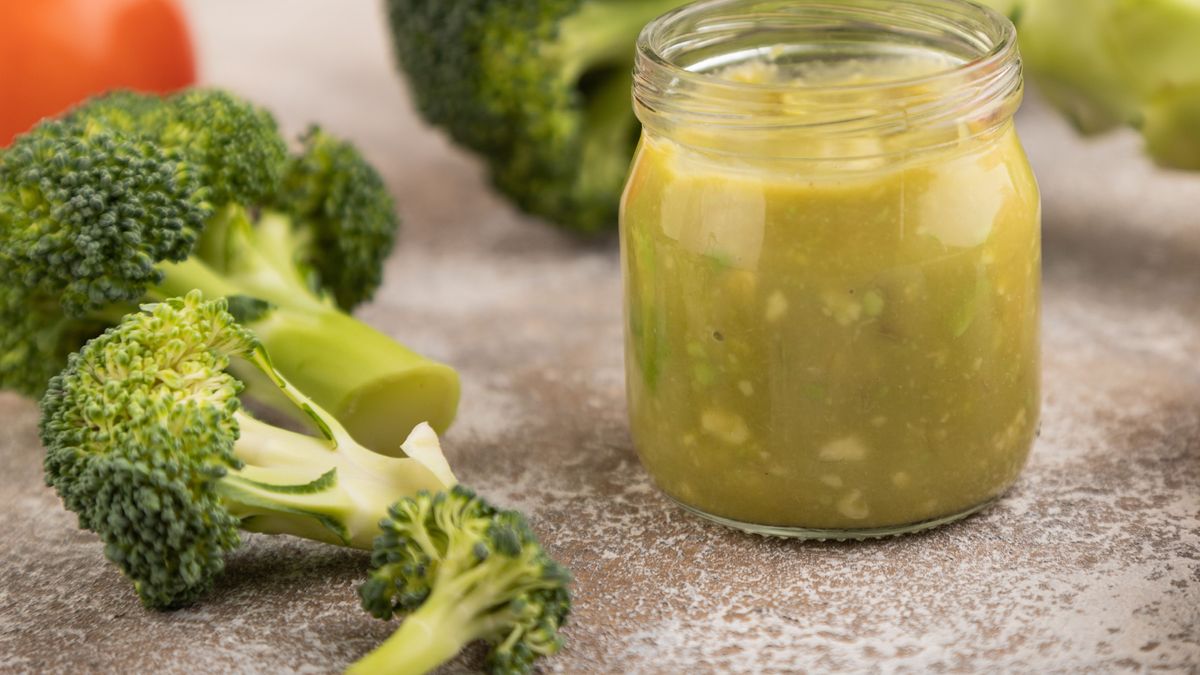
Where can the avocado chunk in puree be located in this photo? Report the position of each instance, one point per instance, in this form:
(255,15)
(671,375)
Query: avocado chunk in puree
(833,350)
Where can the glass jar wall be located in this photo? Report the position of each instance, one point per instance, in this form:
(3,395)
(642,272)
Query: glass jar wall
(831,256)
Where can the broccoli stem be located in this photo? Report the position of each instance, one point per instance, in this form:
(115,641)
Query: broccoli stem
(376,386)
(464,606)
(328,489)
(346,501)
(469,601)
(603,32)
(370,382)
(181,277)
(608,123)
(426,639)
(596,45)
(453,616)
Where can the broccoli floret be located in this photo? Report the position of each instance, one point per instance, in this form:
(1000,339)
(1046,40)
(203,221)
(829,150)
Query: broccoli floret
(350,216)
(133,198)
(146,441)
(540,88)
(462,571)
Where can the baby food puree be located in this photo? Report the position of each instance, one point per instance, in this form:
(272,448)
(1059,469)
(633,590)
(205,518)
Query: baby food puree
(844,343)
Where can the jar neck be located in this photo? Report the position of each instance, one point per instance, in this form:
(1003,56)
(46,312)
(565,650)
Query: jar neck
(825,80)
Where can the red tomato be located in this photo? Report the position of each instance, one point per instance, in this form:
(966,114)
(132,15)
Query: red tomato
(55,53)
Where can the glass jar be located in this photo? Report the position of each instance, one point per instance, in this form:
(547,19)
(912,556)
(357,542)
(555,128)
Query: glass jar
(831,253)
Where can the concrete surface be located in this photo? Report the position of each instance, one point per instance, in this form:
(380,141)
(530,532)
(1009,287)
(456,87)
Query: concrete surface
(1092,563)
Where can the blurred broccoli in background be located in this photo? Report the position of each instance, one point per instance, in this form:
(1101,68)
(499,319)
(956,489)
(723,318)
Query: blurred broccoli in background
(539,88)
(1107,63)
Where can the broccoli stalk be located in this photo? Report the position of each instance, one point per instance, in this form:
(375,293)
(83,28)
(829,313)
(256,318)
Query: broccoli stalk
(147,443)
(370,382)
(539,88)
(331,490)
(596,48)
(275,492)
(133,198)
(466,571)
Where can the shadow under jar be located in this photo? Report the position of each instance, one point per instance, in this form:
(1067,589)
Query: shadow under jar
(831,253)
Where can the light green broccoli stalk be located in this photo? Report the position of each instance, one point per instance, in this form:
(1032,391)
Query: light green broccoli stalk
(146,441)
(1107,63)
(461,571)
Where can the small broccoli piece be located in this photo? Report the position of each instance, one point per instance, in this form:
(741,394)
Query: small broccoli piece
(463,571)
(540,88)
(147,443)
(133,198)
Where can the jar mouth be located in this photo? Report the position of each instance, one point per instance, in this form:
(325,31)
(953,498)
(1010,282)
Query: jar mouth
(832,67)
(978,27)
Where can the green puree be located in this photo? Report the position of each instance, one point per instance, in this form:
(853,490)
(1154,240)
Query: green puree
(834,350)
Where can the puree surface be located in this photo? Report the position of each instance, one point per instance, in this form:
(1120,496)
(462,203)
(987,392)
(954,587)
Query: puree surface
(839,350)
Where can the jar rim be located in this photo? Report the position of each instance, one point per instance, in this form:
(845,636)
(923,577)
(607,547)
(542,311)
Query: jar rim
(1002,45)
(979,87)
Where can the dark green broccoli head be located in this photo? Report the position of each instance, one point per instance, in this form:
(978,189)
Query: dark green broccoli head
(138,430)
(87,214)
(234,145)
(347,211)
(120,111)
(540,88)
(454,550)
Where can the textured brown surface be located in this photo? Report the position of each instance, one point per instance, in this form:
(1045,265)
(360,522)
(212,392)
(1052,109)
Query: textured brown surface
(1091,563)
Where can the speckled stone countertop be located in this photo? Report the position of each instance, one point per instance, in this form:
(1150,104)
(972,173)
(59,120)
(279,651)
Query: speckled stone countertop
(1091,563)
